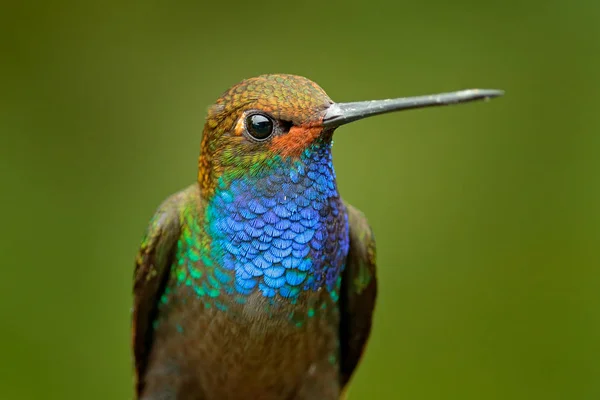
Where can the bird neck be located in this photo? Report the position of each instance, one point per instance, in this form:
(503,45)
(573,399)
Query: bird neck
(282,231)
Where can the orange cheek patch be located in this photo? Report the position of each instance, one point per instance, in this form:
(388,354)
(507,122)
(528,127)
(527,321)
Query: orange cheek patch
(295,141)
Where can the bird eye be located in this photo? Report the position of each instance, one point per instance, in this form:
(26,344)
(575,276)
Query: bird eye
(259,126)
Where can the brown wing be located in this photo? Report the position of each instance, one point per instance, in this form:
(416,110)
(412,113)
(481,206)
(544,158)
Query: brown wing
(358,293)
(152,266)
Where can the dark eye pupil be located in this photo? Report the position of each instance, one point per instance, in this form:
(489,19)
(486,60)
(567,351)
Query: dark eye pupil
(259,126)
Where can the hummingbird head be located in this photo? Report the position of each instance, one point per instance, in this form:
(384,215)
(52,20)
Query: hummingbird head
(259,121)
(277,118)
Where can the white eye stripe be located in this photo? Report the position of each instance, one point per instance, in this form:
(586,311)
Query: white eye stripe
(240,126)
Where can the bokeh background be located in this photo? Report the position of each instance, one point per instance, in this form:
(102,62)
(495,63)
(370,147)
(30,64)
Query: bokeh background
(487,215)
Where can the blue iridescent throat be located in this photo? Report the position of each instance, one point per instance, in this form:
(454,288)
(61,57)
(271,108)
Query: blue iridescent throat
(283,232)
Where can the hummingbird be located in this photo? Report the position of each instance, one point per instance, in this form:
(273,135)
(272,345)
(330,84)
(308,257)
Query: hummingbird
(258,281)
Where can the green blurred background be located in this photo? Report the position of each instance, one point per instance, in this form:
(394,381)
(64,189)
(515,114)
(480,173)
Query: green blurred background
(487,215)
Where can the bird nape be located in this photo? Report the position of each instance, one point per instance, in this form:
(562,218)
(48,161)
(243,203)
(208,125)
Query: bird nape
(258,281)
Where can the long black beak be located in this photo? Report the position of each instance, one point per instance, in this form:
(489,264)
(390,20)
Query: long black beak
(342,113)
